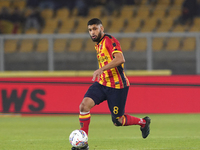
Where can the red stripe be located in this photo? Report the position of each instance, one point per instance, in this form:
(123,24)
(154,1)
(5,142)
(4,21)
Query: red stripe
(119,78)
(104,82)
(110,74)
(112,81)
(104,74)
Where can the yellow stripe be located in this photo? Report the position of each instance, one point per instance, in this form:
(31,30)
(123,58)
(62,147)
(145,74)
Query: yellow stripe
(105,51)
(148,72)
(116,79)
(84,116)
(46,73)
(108,83)
(114,72)
(115,75)
(116,52)
(80,73)
(124,120)
(101,79)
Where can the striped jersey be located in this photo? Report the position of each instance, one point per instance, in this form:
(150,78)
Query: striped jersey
(114,77)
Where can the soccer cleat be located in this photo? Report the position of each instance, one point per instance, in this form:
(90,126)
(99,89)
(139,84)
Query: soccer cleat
(146,129)
(86,147)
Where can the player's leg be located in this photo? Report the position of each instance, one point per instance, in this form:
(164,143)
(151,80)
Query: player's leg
(94,96)
(84,116)
(127,120)
(116,102)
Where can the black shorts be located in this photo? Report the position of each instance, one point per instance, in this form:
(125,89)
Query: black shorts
(116,98)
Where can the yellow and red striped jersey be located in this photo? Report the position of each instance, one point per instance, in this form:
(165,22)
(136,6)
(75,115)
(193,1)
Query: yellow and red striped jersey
(114,77)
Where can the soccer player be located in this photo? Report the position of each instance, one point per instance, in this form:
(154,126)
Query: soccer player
(110,83)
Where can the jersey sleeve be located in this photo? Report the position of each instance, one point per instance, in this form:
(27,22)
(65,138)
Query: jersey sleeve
(113,45)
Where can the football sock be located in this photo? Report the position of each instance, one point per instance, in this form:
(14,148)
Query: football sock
(131,120)
(84,119)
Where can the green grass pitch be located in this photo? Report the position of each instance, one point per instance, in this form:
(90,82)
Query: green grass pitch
(168,132)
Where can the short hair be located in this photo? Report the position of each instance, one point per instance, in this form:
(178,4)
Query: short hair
(94,21)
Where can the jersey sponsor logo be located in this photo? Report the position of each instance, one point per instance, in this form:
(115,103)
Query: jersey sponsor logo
(102,59)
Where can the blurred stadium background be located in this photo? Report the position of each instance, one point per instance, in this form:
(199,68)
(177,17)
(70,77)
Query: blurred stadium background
(52,34)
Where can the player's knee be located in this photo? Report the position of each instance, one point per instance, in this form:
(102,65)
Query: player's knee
(82,107)
(116,121)
(86,105)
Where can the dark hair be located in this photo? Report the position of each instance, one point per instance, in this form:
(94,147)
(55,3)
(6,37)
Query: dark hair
(94,21)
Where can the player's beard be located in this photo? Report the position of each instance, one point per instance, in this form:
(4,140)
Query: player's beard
(98,38)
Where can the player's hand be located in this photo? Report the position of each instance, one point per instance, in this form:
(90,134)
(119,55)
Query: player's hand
(97,74)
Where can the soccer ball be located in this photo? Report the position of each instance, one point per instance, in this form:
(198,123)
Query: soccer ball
(78,138)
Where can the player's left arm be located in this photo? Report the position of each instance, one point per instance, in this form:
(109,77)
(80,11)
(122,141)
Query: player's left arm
(118,59)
